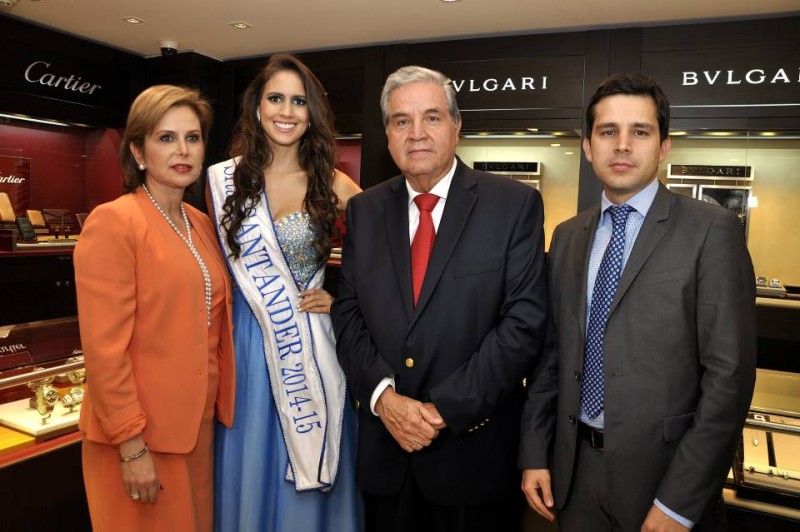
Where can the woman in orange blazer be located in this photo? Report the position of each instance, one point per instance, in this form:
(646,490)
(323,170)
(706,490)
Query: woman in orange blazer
(154,308)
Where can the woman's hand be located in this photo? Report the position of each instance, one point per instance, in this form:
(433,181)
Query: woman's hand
(139,477)
(315,300)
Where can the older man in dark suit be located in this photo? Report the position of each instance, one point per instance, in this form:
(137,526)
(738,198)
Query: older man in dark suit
(440,314)
(650,355)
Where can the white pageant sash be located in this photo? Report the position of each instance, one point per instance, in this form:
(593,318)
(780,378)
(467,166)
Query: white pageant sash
(308,385)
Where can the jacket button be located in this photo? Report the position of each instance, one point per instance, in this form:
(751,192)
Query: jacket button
(577,376)
(409,362)
(572,420)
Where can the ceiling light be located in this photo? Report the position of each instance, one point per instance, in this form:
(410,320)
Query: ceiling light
(569,153)
(533,129)
(240,25)
(133,20)
(555,145)
(769,134)
(721,133)
(677,133)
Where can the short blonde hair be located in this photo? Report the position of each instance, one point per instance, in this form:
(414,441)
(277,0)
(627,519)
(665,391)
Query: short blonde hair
(146,111)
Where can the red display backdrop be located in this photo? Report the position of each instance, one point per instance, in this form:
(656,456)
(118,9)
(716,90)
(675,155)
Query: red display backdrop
(350,158)
(71,169)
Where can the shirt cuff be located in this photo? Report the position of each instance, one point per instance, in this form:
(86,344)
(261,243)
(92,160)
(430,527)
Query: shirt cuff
(677,517)
(387,381)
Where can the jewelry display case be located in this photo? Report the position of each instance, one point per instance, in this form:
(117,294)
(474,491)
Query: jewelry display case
(41,374)
(767,463)
(41,382)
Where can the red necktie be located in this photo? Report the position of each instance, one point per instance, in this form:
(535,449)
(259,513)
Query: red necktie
(423,241)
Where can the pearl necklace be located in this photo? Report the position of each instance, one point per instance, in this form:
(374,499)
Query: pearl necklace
(188,241)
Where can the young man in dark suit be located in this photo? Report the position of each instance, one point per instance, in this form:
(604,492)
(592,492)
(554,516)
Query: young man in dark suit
(650,355)
(440,314)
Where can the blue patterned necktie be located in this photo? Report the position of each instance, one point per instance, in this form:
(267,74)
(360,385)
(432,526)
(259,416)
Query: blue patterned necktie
(605,287)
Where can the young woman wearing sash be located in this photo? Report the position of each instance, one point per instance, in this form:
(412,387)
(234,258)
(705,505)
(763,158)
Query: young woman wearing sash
(288,462)
(154,305)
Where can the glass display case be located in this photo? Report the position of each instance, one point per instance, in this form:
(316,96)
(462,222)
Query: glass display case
(41,382)
(753,173)
(767,463)
(52,174)
(555,154)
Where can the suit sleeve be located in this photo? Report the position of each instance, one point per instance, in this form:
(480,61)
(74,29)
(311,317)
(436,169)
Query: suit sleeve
(105,278)
(477,388)
(357,353)
(726,341)
(539,411)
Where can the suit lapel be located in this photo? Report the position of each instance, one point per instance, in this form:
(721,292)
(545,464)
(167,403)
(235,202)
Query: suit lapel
(584,250)
(396,216)
(651,233)
(460,200)
(200,229)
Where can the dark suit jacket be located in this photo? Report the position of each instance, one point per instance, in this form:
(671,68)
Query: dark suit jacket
(680,350)
(475,332)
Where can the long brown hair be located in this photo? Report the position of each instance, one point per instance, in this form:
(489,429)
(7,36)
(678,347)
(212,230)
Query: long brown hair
(318,157)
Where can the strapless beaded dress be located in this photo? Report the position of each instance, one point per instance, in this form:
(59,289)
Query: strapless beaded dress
(296,237)
(251,492)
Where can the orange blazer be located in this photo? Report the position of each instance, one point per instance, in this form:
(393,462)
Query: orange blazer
(142,314)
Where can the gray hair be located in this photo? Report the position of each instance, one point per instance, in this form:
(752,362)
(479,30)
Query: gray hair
(414,74)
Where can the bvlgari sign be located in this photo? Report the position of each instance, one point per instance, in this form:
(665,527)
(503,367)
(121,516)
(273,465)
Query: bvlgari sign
(523,83)
(508,167)
(768,78)
(755,76)
(707,171)
(516,84)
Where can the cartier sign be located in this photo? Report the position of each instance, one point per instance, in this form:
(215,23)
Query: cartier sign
(15,181)
(39,72)
(92,81)
(11,349)
(11,179)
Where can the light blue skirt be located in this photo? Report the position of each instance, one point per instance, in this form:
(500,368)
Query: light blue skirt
(250,491)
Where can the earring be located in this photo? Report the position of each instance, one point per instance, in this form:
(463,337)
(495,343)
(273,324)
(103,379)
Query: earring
(258,115)
(141,167)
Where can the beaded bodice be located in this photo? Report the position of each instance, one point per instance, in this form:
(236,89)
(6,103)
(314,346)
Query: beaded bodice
(296,239)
